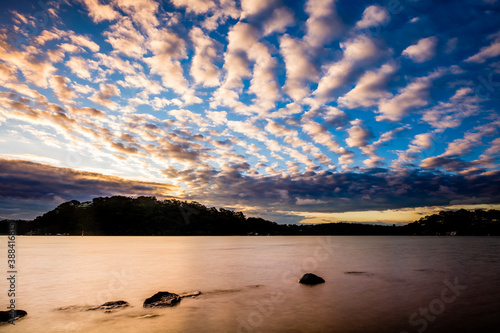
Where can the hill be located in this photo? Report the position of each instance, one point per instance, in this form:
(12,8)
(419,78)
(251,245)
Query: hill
(145,216)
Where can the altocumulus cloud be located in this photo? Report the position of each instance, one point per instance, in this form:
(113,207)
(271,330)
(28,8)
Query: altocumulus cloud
(266,106)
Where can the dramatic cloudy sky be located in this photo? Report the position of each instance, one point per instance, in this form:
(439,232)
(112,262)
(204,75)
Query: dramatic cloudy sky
(296,111)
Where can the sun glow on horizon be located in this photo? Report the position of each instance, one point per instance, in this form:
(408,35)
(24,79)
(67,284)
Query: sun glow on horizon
(301,111)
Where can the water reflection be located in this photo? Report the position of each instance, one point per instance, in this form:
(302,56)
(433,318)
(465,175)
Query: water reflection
(249,284)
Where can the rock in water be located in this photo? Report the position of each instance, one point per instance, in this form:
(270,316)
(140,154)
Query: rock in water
(148,315)
(190,294)
(8,316)
(310,278)
(161,299)
(111,305)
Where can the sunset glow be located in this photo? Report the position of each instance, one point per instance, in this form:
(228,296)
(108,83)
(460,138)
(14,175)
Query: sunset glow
(295,111)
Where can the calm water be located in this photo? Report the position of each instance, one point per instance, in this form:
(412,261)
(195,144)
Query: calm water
(249,284)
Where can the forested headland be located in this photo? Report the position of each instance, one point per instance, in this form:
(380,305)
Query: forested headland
(146,216)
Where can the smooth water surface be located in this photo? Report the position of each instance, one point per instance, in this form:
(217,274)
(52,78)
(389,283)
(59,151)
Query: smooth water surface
(249,284)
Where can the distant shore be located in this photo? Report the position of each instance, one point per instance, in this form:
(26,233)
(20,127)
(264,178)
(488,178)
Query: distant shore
(147,216)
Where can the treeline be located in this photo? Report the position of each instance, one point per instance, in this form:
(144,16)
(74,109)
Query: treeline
(461,222)
(142,216)
(145,216)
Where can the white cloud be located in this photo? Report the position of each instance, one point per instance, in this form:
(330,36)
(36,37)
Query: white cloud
(244,48)
(449,114)
(301,158)
(168,43)
(334,116)
(142,12)
(423,51)
(195,6)
(299,67)
(61,89)
(487,52)
(230,98)
(48,35)
(79,66)
(420,143)
(248,129)
(35,70)
(100,12)
(125,39)
(203,69)
(218,117)
(264,82)
(357,51)
(290,109)
(300,201)
(374,159)
(82,89)
(85,42)
(321,135)
(23,89)
(168,48)
(461,147)
(373,16)
(277,129)
(103,96)
(224,10)
(323,24)
(370,88)
(361,48)
(141,81)
(281,19)
(252,7)
(189,118)
(70,48)
(413,95)
(241,38)
(358,135)
(117,63)
(387,136)
(494,147)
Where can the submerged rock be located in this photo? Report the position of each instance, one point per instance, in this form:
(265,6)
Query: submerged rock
(111,305)
(358,273)
(73,308)
(190,294)
(162,299)
(9,316)
(310,278)
(148,315)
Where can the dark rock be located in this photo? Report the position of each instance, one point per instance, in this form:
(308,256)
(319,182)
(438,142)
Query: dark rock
(161,299)
(358,273)
(8,316)
(310,278)
(111,305)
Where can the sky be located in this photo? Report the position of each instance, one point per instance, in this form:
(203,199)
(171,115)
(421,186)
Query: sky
(295,111)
